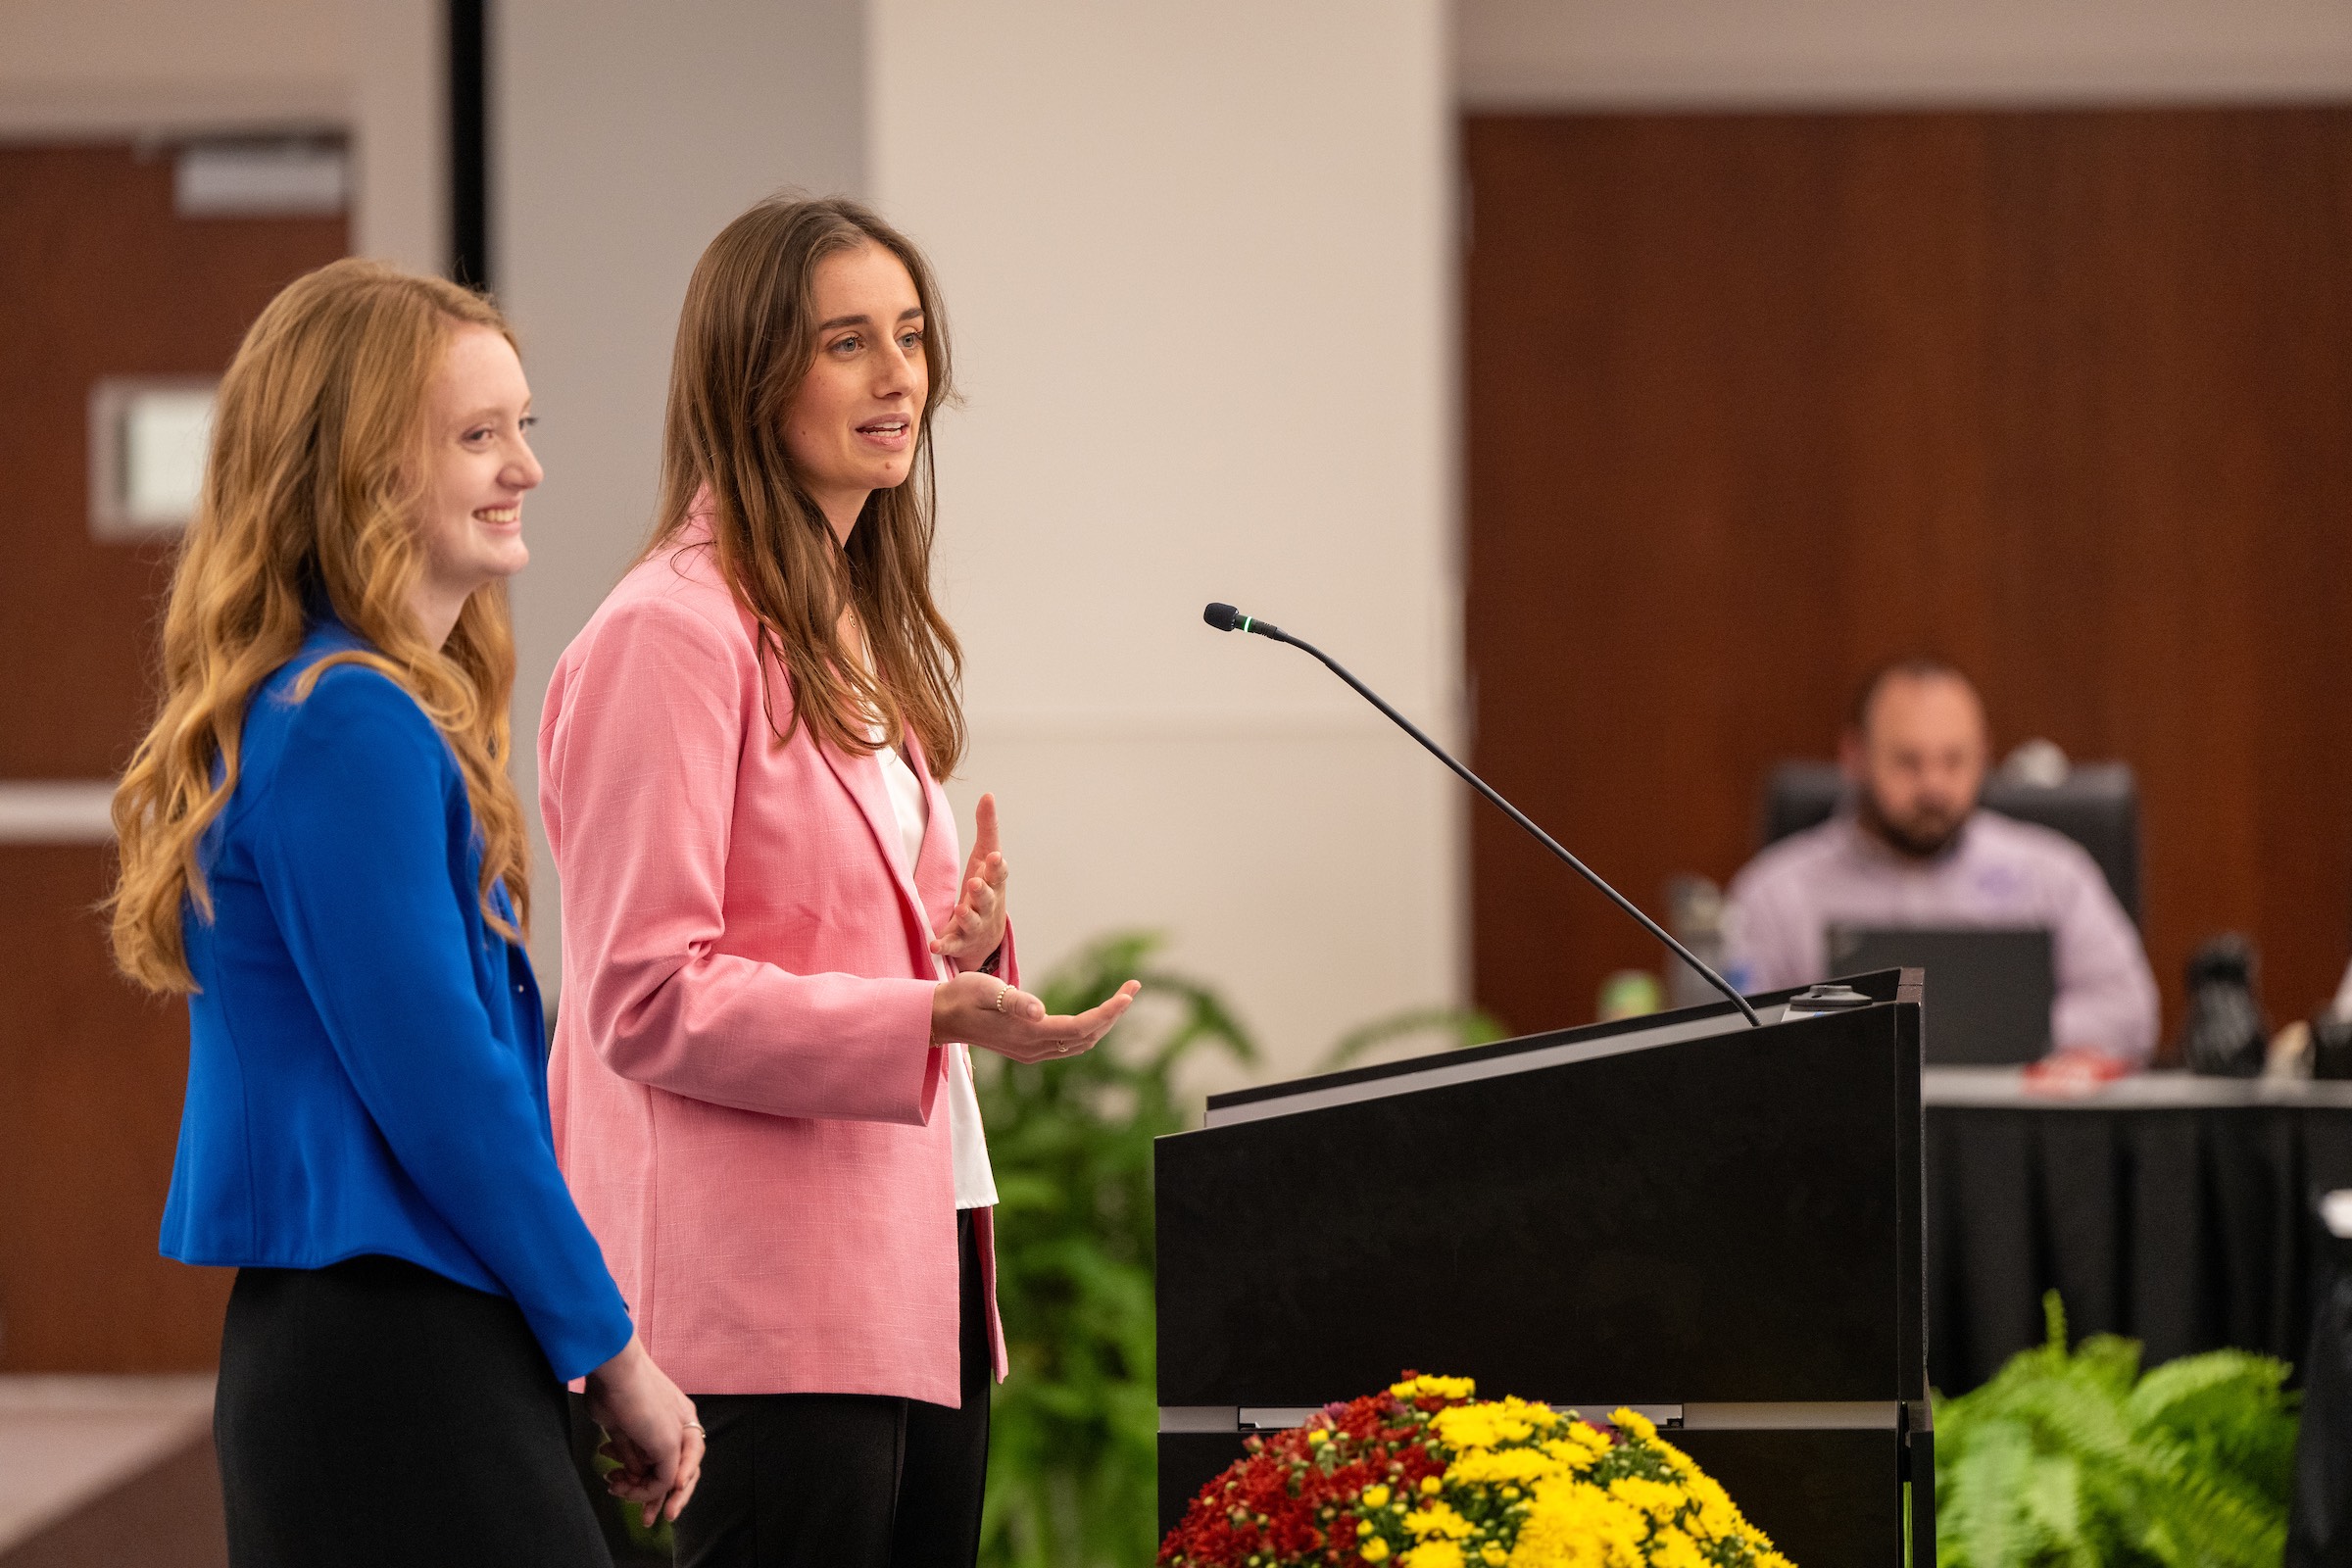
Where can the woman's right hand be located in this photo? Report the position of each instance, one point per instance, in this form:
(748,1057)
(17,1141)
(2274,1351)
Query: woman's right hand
(984,1012)
(649,1433)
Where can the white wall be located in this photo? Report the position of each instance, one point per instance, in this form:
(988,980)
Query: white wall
(1598,53)
(400,131)
(624,136)
(1198,267)
(110,68)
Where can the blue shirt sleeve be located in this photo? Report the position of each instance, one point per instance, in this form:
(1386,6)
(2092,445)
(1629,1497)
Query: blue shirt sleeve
(355,859)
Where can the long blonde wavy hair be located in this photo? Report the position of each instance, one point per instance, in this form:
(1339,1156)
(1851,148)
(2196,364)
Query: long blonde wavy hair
(746,336)
(313,486)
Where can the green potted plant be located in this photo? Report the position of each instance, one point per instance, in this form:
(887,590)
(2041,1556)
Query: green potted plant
(2078,1459)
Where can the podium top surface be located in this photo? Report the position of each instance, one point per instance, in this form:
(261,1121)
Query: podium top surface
(1523,1054)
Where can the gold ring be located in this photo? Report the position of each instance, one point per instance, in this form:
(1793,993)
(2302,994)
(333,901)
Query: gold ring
(697,1426)
(1002,989)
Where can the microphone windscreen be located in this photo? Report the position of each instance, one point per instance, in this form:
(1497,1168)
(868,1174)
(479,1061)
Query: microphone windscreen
(1222,616)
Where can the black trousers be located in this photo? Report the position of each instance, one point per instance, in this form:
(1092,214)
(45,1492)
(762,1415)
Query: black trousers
(848,1480)
(374,1412)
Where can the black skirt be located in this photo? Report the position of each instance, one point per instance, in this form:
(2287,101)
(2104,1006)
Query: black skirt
(375,1412)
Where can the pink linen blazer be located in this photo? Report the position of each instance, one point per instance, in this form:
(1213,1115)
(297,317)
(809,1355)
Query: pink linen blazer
(747,1102)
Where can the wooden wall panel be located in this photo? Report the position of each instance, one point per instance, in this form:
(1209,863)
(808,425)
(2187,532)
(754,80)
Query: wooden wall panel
(1755,401)
(98,277)
(91,1075)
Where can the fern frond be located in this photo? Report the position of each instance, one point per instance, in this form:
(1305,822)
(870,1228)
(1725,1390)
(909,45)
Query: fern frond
(2075,1458)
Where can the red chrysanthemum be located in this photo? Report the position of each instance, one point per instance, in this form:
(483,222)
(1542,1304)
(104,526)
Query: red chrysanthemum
(1295,1496)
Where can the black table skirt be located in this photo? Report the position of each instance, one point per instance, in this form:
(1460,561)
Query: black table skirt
(2188,1227)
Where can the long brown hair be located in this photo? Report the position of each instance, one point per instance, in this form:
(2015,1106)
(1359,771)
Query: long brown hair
(746,337)
(314,485)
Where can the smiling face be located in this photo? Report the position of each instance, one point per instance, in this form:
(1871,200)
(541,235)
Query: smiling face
(852,428)
(478,463)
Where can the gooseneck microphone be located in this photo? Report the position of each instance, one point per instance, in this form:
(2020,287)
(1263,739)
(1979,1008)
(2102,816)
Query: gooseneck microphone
(1227,618)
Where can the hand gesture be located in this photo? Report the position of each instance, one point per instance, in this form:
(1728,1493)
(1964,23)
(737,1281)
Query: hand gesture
(985,1012)
(649,1433)
(977,927)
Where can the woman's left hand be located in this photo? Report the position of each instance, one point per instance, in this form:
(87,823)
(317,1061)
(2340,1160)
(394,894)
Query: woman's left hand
(977,927)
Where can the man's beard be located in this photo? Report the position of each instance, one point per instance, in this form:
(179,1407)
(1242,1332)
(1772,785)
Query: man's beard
(1920,840)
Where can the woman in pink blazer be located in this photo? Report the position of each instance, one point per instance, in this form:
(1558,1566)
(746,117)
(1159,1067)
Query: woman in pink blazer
(773,962)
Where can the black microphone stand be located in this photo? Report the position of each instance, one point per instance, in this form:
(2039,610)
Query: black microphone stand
(1227,618)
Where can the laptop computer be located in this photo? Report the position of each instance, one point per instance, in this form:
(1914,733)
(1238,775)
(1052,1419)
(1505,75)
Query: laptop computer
(1989,988)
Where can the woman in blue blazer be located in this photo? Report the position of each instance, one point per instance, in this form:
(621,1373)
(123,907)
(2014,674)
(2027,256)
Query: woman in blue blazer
(321,848)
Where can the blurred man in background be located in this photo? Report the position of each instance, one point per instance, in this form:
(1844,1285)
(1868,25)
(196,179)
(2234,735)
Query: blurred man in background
(1914,849)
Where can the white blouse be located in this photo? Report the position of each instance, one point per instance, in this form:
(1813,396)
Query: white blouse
(975,1181)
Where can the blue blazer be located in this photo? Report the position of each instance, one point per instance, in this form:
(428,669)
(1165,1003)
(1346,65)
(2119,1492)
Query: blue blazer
(365,1067)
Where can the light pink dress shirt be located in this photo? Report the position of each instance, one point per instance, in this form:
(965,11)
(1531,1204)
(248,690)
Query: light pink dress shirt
(2000,871)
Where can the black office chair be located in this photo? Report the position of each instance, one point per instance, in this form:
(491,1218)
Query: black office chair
(2097,806)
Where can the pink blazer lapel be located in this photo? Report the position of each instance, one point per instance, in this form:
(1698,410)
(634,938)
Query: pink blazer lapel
(861,776)
(939,869)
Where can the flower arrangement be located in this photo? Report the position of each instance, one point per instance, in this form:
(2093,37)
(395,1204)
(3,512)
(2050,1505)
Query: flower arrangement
(1423,1476)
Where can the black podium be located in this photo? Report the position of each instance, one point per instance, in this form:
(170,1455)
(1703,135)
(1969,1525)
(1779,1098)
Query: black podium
(1716,1224)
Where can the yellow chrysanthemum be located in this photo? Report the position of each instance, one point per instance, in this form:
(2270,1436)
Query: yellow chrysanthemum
(1671,1548)
(1527,1470)
(1634,1422)
(1491,1425)
(1583,1435)
(1718,1515)
(1501,1467)
(1575,1525)
(1437,1519)
(1578,1447)
(1653,1498)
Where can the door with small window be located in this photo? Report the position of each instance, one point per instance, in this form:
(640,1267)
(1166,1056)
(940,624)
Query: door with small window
(128,276)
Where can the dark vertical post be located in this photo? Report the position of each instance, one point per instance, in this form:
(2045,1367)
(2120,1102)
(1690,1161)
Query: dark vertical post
(470,142)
